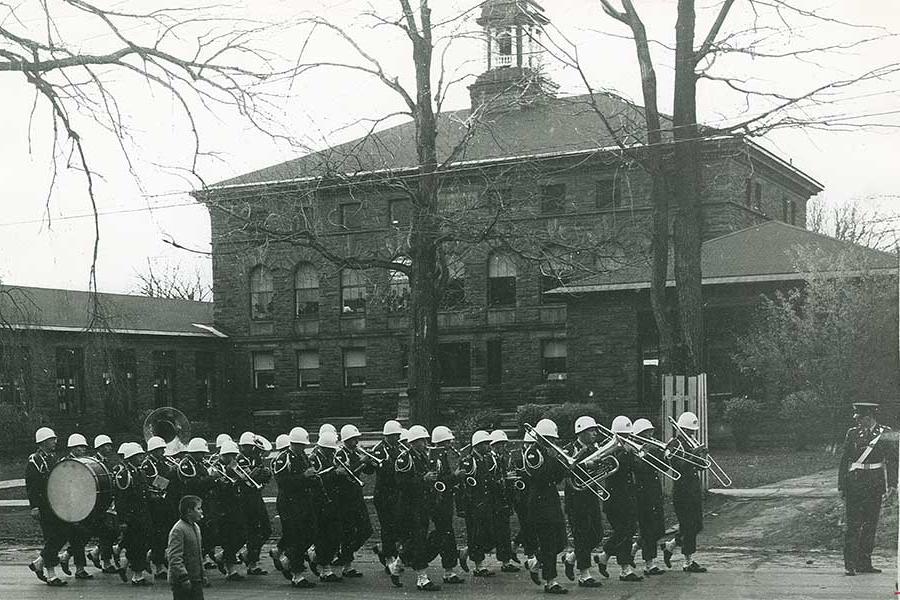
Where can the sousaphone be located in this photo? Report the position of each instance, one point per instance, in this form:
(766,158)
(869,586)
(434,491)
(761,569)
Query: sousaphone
(170,424)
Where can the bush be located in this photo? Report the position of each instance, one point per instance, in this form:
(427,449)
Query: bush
(743,414)
(563,415)
(802,414)
(468,423)
(17,426)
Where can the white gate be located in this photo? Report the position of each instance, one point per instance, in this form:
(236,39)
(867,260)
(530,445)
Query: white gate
(679,394)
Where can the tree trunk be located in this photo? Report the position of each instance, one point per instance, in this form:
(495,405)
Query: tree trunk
(687,192)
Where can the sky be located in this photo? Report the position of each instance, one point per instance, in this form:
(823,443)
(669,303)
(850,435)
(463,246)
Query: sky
(46,228)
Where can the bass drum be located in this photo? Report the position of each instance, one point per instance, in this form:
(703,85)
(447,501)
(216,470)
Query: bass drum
(79,488)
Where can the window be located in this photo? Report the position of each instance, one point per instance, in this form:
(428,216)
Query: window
(403,355)
(454,361)
(308,369)
(399,213)
(494,362)
(70,379)
(607,193)
(263,371)
(501,281)
(163,378)
(757,196)
(351,215)
(553,198)
(15,375)
(262,292)
(784,209)
(204,380)
(553,360)
(306,292)
(793,212)
(398,287)
(120,373)
(353,292)
(455,290)
(354,367)
(504,42)
(748,191)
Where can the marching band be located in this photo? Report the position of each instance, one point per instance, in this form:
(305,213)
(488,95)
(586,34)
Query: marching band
(421,481)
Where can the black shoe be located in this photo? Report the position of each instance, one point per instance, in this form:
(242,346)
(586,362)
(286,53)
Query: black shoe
(377,550)
(351,573)
(483,572)
(590,582)
(56,582)
(569,568)
(110,570)
(303,584)
(667,556)
(464,559)
(631,577)
(428,587)
(869,569)
(693,568)
(330,578)
(234,577)
(654,570)
(83,575)
(314,568)
(509,568)
(64,565)
(601,567)
(286,573)
(850,572)
(273,554)
(453,579)
(220,565)
(122,574)
(159,575)
(257,571)
(395,580)
(555,589)
(140,582)
(94,557)
(515,559)
(534,574)
(39,573)
(209,564)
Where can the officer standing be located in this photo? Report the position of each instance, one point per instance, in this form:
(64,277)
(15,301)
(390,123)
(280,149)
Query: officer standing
(867,475)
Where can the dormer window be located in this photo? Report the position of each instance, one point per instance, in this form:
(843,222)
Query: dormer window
(504,42)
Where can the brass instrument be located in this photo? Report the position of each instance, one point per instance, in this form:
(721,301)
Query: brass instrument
(697,461)
(711,464)
(639,450)
(599,464)
(172,461)
(577,472)
(343,464)
(245,476)
(378,462)
(219,471)
(170,424)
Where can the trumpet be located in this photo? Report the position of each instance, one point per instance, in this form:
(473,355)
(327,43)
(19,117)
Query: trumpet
(691,457)
(341,463)
(639,450)
(577,472)
(172,461)
(514,479)
(219,471)
(245,475)
(378,462)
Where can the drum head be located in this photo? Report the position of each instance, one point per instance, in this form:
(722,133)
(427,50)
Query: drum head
(72,490)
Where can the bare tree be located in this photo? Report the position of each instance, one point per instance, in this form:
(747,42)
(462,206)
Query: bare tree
(853,221)
(172,281)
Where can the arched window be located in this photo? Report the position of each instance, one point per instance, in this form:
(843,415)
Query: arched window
(501,281)
(353,292)
(262,292)
(398,287)
(306,292)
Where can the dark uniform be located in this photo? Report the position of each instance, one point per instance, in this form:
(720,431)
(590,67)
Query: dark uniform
(621,510)
(229,514)
(442,538)
(355,522)
(412,516)
(867,465)
(330,527)
(296,508)
(480,490)
(258,527)
(54,530)
(501,505)
(385,498)
(584,513)
(519,498)
(158,473)
(131,503)
(687,499)
(106,525)
(545,514)
(649,497)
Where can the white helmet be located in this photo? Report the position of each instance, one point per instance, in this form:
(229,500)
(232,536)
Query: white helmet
(479,437)
(498,435)
(282,441)
(247,439)
(197,444)
(132,449)
(228,447)
(688,420)
(43,434)
(222,438)
(122,447)
(155,443)
(404,434)
(584,423)
(327,427)
(298,435)
(75,440)
(392,427)
(102,440)
(174,447)
(417,432)
(622,424)
(441,433)
(547,428)
(348,432)
(528,438)
(640,426)
(327,439)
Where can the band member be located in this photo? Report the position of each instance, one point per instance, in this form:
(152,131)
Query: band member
(79,533)
(158,471)
(230,514)
(583,509)
(106,526)
(259,529)
(620,510)
(442,538)
(282,446)
(502,502)
(415,483)
(298,486)
(687,495)
(330,527)
(357,528)
(53,530)
(649,497)
(866,463)
(544,511)
(131,503)
(525,536)
(479,475)
(386,492)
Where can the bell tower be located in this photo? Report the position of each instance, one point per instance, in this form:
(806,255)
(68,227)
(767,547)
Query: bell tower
(514,57)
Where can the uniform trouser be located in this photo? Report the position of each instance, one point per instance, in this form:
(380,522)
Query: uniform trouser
(298,526)
(502,533)
(329,532)
(622,520)
(551,540)
(232,529)
(688,506)
(863,507)
(386,509)
(138,531)
(356,526)
(79,535)
(162,519)
(584,514)
(55,533)
(259,529)
(479,529)
(525,537)
(106,527)
(442,539)
(414,537)
(651,524)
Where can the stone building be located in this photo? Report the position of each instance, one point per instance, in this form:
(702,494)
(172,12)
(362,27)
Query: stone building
(315,341)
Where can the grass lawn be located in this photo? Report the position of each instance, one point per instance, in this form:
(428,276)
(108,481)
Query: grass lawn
(757,467)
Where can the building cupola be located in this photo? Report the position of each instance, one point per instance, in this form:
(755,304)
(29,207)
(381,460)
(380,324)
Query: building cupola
(514,57)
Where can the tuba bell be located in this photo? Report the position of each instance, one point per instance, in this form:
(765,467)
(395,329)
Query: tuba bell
(170,424)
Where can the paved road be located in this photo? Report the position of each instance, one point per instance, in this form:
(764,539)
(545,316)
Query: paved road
(734,575)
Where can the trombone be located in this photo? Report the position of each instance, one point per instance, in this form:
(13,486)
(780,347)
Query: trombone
(579,474)
(377,462)
(245,475)
(341,463)
(219,470)
(710,463)
(640,451)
